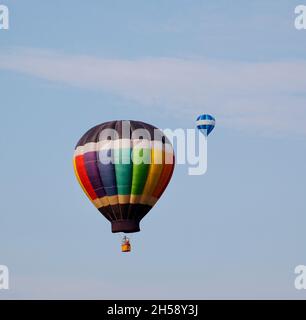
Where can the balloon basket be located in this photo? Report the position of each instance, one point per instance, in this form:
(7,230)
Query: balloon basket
(126,248)
(125,245)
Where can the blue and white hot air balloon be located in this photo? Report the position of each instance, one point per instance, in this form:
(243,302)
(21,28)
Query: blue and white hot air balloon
(206,123)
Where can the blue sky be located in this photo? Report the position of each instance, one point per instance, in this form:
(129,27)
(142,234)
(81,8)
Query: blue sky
(239,229)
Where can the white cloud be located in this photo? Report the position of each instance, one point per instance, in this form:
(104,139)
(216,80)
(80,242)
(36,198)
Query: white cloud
(266,97)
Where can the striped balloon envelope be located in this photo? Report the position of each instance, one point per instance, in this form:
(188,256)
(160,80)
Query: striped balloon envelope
(124,168)
(206,123)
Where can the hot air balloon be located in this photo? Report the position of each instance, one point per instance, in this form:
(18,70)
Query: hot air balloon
(206,123)
(124,167)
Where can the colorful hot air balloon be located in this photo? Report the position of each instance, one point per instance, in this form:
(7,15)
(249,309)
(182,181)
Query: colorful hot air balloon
(206,123)
(124,167)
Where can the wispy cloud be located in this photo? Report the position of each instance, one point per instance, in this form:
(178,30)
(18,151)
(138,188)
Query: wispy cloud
(267,97)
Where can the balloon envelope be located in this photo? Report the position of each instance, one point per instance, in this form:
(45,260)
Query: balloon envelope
(206,123)
(124,168)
